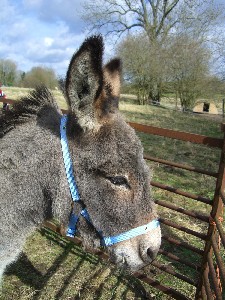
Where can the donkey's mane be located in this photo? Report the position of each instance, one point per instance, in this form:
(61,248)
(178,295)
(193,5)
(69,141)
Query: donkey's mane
(27,108)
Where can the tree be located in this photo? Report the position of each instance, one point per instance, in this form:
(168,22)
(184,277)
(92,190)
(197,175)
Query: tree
(132,51)
(117,17)
(189,69)
(8,72)
(157,18)
(140,63)
(40,76)
(182,64)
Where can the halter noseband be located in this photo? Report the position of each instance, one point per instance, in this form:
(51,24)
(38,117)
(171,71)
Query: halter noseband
(71,231)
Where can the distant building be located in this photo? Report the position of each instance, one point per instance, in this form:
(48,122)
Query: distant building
(206,108)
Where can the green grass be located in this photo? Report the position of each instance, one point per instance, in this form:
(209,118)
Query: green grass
(169,99)
(51,267)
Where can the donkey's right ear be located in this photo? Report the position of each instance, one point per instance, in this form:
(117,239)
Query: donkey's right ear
(84,81)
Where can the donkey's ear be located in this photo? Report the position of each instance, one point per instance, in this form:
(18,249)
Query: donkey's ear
(107,104)
(112,76)
(84,81)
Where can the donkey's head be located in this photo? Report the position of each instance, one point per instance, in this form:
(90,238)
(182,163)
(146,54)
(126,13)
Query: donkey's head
(111,174)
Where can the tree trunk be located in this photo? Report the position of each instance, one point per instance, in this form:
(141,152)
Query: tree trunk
(154,93)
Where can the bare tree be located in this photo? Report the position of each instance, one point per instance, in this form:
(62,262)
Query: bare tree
(157,18)
(118,17)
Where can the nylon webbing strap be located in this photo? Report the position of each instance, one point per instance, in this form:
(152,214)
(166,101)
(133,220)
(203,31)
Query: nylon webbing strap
(71,231)
(72,228)
(111,240)
(67,160)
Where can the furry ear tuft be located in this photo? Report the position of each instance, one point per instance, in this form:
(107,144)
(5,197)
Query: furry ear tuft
(112,75)
(95,46)
(114,65)
(84,81)
(92,91)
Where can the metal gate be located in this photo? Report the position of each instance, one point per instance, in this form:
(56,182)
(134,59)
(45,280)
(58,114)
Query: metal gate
(211,268)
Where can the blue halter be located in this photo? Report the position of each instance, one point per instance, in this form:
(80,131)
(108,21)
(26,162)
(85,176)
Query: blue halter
(71,231)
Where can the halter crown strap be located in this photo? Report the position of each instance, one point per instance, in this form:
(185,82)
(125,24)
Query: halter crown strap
(71,231)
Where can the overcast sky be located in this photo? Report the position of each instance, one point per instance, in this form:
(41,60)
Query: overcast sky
(41,32)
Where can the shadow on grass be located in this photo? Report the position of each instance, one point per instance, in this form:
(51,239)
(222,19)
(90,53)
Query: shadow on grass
(25,271)
(30,276)
(96,284)
(102,280)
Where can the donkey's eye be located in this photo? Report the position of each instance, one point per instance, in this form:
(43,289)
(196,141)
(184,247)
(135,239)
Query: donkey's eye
(119,181)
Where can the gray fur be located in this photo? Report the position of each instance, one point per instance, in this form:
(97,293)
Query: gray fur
(33,183)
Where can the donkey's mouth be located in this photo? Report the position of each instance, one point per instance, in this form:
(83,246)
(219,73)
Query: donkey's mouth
(129,265)
(129,260)
(134,254)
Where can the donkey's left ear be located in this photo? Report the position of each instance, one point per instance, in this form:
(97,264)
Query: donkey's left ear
(112,76)
(84,81)
(107,104)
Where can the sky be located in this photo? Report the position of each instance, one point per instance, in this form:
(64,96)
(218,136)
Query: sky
(42,32)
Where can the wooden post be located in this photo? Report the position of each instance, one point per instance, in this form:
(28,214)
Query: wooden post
(223,106)
(217,212)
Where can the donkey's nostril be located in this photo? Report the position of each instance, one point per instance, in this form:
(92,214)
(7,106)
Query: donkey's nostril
(151,254)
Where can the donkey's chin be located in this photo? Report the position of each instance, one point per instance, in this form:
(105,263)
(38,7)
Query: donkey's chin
(126,261)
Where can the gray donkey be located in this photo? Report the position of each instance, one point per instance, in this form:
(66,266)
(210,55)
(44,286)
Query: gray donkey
(114,207)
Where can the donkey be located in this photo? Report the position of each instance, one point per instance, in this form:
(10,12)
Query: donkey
(113,207)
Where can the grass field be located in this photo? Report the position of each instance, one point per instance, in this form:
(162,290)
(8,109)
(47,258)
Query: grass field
(16,93)
(52,267)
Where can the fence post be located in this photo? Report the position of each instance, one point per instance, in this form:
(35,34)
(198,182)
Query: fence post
(223,106)
(217,211)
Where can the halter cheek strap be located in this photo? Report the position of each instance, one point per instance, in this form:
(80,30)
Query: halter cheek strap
(71,231)
(72,227)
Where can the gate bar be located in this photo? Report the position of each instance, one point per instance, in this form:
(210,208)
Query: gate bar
(182,193)
(214,278)
(207,284)
(217,209)
(169,270)
(181,166)
(203,293)
(180,260)
(189,213)
(183,244)
(165,289)
(218,259)
(179,135)
(220,230)
(187,230)
(222,195)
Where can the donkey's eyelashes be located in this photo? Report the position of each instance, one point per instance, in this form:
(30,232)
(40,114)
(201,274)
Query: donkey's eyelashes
(119,181)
